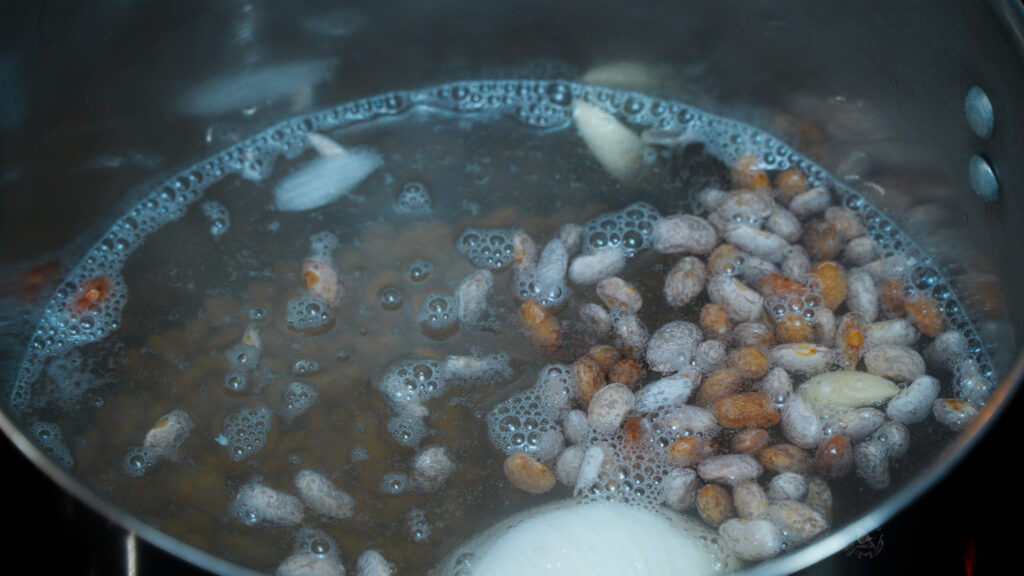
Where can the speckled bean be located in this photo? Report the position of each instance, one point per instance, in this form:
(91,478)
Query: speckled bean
(590,467)
(431,468)
(673,346)
(810,202)
(745,207)
(575,426)
(711,355)
(757,242)
(860,251)
(894,437)
(168,433)
(730,469)
(898,363)
(630,335)
(799,522)
(862,294)
(819,497)
(740,302)
(609,406)
(914,403)
(799,422)
(668,391)
(685,281)
(680,489)
(783,223)
(683,234)
(588,269)
(753,335)
(896,332)
(595,320)
(787,486)
(571,235)
(619,296)
(953,412)
(750,500)
(856,424)
(776,385)
(796,262)
(945,349)
(310,564)
(372,563)
(256,503)
(567,469)
(471,296)
(804,358)
(752,540)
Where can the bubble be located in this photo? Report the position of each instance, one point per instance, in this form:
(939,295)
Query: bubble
(50,438)
(438,316)
(309,314)
(316,542)
(413,199)
(138,461)
(298,398)
(257,314)
(236,382)
(419,271)
(218,216)
(394,483)
(245,432)
(629,228)
(390,298)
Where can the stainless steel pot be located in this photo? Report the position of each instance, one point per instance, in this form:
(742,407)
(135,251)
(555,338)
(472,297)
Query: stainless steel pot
(899,90)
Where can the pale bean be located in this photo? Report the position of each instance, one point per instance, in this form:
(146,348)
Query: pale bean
(575,426)
(746,207)
(168,434)
(896,266)
(322,496)
(588,269)
(752,540)
(740,302)
(685,281)
(787,486)
(571,235)
(755,268)
(619,296)
(914,403)
(799,522)
(595,320)
(673,346)
(872,464)
(799,422)
(471,296)
(810,202)
(803,358)
(753,335)
(256,504)
(609,406)
(796,262)
(372,563)
(730,469)
(550,275)
(894,437)
(750,500)
(524,251)
(945,349)
(953,412)
(668,391)
(757,242)
(825,325)
(630,335)
(711,356)
(845,221)
(590,467)
(310,564)
(683,234)
(860,251)
(855,424)
(431,468)
(680,489)
(567,469)
(616,147)
(898,363)
(776,385)
(862,294)
(897,332)
(686,420)
(836,391)
(783,223)
(712,198)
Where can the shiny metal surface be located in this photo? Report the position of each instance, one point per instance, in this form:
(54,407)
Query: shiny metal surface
(103,85)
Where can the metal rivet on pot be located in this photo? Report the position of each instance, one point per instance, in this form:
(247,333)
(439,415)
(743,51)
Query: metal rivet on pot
(978,109)
(983,179)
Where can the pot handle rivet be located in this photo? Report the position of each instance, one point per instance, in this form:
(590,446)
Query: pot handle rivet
(978,109)
(983,179)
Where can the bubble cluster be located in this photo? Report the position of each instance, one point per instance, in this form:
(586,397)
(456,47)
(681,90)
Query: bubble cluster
(489,248)
(298,398)
(408,429)
(528,422)
(439,315)
(413,199)
(218,216)
(305,366)
(419,271)
(630,228)
(323,244)
(309,314)
(50,438)
(412,381)
(418,526)
(245,432)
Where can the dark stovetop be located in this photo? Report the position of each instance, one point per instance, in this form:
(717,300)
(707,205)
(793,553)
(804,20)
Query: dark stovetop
(977,507)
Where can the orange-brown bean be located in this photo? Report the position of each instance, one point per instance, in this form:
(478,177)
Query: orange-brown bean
(786,458)
(749,361)
(745,410)
(541,326)
(714,322)
(925,313)
(718,385)
(750,441)
(832,280)
(714,504)
(626,371)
